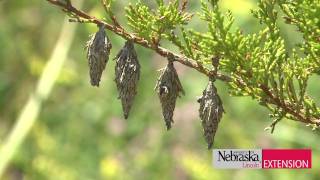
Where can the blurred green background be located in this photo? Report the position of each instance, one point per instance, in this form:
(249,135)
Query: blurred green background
(80,132)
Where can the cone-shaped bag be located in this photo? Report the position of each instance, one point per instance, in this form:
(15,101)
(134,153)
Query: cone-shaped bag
(98,51)
(127,72)
(169,88)
(210,112)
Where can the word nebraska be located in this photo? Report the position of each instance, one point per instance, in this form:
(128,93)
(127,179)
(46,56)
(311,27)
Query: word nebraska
(285,164)
(238,156)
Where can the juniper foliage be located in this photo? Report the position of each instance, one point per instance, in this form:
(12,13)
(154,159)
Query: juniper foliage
(257,64)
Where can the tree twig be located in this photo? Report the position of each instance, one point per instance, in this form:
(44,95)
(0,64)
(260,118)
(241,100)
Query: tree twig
(138,40)
(194,64)
(287,108)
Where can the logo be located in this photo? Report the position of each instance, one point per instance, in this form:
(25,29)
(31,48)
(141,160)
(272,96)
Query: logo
(286,158)
(237,158)
(262,158)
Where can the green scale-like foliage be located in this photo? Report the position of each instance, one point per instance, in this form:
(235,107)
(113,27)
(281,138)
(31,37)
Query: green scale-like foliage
(259,64)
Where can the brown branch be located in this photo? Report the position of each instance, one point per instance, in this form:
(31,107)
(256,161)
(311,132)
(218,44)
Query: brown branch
(287,108)
(120,31)
(112,17)
(141,41)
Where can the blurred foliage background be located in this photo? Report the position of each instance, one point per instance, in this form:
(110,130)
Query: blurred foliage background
(80,132)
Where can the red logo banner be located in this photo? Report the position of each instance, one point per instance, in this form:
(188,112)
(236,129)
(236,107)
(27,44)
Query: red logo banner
(286,158)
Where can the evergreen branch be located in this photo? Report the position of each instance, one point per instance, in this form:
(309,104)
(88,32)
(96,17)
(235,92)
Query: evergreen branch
(139,40)
(266,73)
(106,5)
(288,108)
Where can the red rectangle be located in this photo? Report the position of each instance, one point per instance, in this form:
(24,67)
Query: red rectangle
(286,158)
